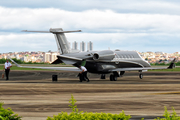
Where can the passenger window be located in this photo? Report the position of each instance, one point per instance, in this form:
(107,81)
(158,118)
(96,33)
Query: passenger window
(125,56)
(132,56)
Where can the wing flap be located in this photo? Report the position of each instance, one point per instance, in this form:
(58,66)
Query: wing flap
(68,59)
(138,69)
(57,61)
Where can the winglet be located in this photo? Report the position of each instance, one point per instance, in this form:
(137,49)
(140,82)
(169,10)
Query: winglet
(14,62)
(172,65)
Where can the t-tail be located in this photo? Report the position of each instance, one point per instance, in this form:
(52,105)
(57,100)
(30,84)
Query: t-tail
(62,43)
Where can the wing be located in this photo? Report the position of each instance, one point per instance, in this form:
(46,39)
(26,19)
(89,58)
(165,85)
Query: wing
(74,69)
(171,66)
(57,61)
(138,69)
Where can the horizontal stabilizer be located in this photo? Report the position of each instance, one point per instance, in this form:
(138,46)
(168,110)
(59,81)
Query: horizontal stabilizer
(35,31)
(59,34)
(52,31)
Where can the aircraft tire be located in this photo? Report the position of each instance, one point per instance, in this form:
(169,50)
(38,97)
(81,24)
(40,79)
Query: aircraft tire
(114,78)
(103,76)
(140,76)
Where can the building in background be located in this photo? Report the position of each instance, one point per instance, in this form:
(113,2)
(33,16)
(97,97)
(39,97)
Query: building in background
(75,45)
(46,57)
(53,56)
(49,57)
(82,46)
(90,46)
(69,45)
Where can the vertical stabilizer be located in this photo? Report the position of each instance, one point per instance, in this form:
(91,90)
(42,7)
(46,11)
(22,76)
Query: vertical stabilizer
(61,40)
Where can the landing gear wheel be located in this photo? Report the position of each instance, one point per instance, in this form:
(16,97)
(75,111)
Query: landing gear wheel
(113,78)
(103,76)
(140,76)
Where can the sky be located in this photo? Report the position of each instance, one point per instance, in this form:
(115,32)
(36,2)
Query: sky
(141,25)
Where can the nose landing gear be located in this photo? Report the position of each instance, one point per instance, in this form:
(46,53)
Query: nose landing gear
(141,76)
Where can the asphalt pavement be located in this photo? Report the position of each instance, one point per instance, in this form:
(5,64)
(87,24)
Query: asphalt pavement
(33,94)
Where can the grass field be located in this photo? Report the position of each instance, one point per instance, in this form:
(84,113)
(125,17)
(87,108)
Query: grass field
(46,65)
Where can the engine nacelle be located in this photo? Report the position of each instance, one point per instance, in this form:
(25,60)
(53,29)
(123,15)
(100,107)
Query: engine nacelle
(104,55)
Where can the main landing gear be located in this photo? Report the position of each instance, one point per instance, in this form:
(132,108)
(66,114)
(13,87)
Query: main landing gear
(103,76)
(141,76)
(113,77)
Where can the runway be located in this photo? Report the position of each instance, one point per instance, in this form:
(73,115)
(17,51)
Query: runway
(33,95)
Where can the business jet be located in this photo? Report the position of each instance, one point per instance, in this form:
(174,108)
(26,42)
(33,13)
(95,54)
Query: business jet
(98,62)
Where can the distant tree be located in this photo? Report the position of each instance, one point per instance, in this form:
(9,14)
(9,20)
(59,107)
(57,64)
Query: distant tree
(2,61)
(18,61)
(178,63)
(160,60)
(30,62)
